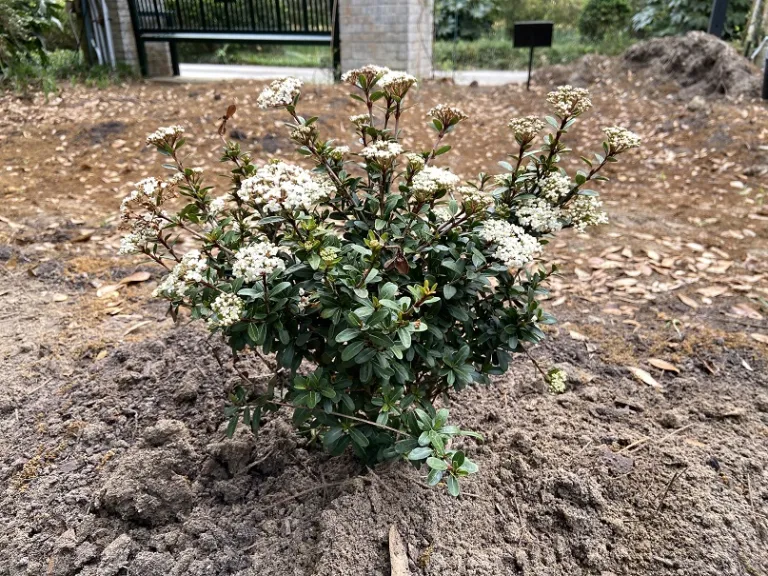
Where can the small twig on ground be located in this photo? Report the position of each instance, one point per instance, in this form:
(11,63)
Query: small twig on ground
(666,490)
(535,363)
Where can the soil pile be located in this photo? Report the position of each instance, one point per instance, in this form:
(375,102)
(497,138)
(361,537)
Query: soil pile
(700,63)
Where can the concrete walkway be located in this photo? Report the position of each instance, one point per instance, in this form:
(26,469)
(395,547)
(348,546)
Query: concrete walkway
(208,72)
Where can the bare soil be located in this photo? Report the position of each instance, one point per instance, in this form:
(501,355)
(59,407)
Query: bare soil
(113,458)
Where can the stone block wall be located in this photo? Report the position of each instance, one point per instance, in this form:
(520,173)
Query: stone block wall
(158,53)
(394,33)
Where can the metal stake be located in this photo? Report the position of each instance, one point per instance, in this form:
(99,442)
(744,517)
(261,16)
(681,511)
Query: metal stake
(530,67)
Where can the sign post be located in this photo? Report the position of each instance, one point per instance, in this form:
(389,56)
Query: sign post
(531,35)
(717,17)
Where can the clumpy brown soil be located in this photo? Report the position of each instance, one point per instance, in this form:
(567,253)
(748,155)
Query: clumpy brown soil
(114,459)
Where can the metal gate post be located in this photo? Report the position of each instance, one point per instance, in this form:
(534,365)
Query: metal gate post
(141,49)
(174,58)
(336,45)
(717,17)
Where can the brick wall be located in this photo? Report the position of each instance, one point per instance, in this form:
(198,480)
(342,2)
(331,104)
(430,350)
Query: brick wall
(394,33)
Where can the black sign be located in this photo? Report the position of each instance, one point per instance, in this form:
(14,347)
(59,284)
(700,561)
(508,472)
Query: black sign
(533,34)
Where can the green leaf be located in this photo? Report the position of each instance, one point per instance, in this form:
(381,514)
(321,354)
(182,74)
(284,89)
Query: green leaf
(449,291)
(352,350)
(358,437)
(347,334)
(436,463)
(453,486)
(420,453)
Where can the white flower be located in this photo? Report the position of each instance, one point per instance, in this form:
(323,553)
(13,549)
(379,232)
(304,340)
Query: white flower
(369,72)
(585,211)
(329,254)
(360,120)
(256,260)
(217,205)
(620,139)
(556,379)
(304,134)
(569,101)
(167,135)
(442,213)
(447,115)
(431,180)
(525,129)
(189,271)
(281,92)
(474,200)
(147,191)
(382,151)
(539,215)
(304,301)
(416,161)
(513,246)
(554,187)
(338,152)
(397,83)
(228,309)
(280,186)
(144,230)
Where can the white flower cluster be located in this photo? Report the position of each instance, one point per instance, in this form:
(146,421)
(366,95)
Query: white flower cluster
(474,200)
(539,215)
(217,205)
(442,213)
(397,83)
(585,211)
(556,379)
(447,115)
(569,101)
(304,134)
(146,191)
(337,153)
(144,229)
(416,161)
(526,128)
(167,135)
(329,254)
(360,120)
(369,72)
(256,260)
(190,270)
(282,92)
(281,186)
(304,300)
(382,152)
(513,246)
(620,139)
(554,187)
(431,180)
(228,309)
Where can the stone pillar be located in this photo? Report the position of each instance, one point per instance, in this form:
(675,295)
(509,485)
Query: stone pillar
(124,41)
(393,33)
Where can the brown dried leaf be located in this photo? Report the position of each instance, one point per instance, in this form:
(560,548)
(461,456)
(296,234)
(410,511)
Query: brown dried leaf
(577,336)
(398,556)
(712,291)
(762,338)
(663,365)
(108,290)
(644,377)
(60,297)
(136,277)
(136,327)
(688,301)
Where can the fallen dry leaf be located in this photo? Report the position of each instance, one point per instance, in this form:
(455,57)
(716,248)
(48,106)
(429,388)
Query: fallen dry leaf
(136,277)
(663,365)
(577,336)
(644,377)
(712,291)
(60,297)
(688,301)
(762,338)
(108,290)
(136,327)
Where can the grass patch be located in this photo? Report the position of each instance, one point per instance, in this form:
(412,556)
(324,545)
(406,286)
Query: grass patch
(498,53)
(257,55)
(61,66)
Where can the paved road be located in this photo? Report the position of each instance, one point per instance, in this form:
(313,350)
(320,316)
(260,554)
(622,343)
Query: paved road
(203,72)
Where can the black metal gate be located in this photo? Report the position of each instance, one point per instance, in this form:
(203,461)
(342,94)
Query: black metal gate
(257,21)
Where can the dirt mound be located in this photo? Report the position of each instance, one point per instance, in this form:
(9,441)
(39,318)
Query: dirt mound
(136,478)
(700,63)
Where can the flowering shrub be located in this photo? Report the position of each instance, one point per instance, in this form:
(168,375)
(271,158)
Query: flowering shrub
(377,279)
